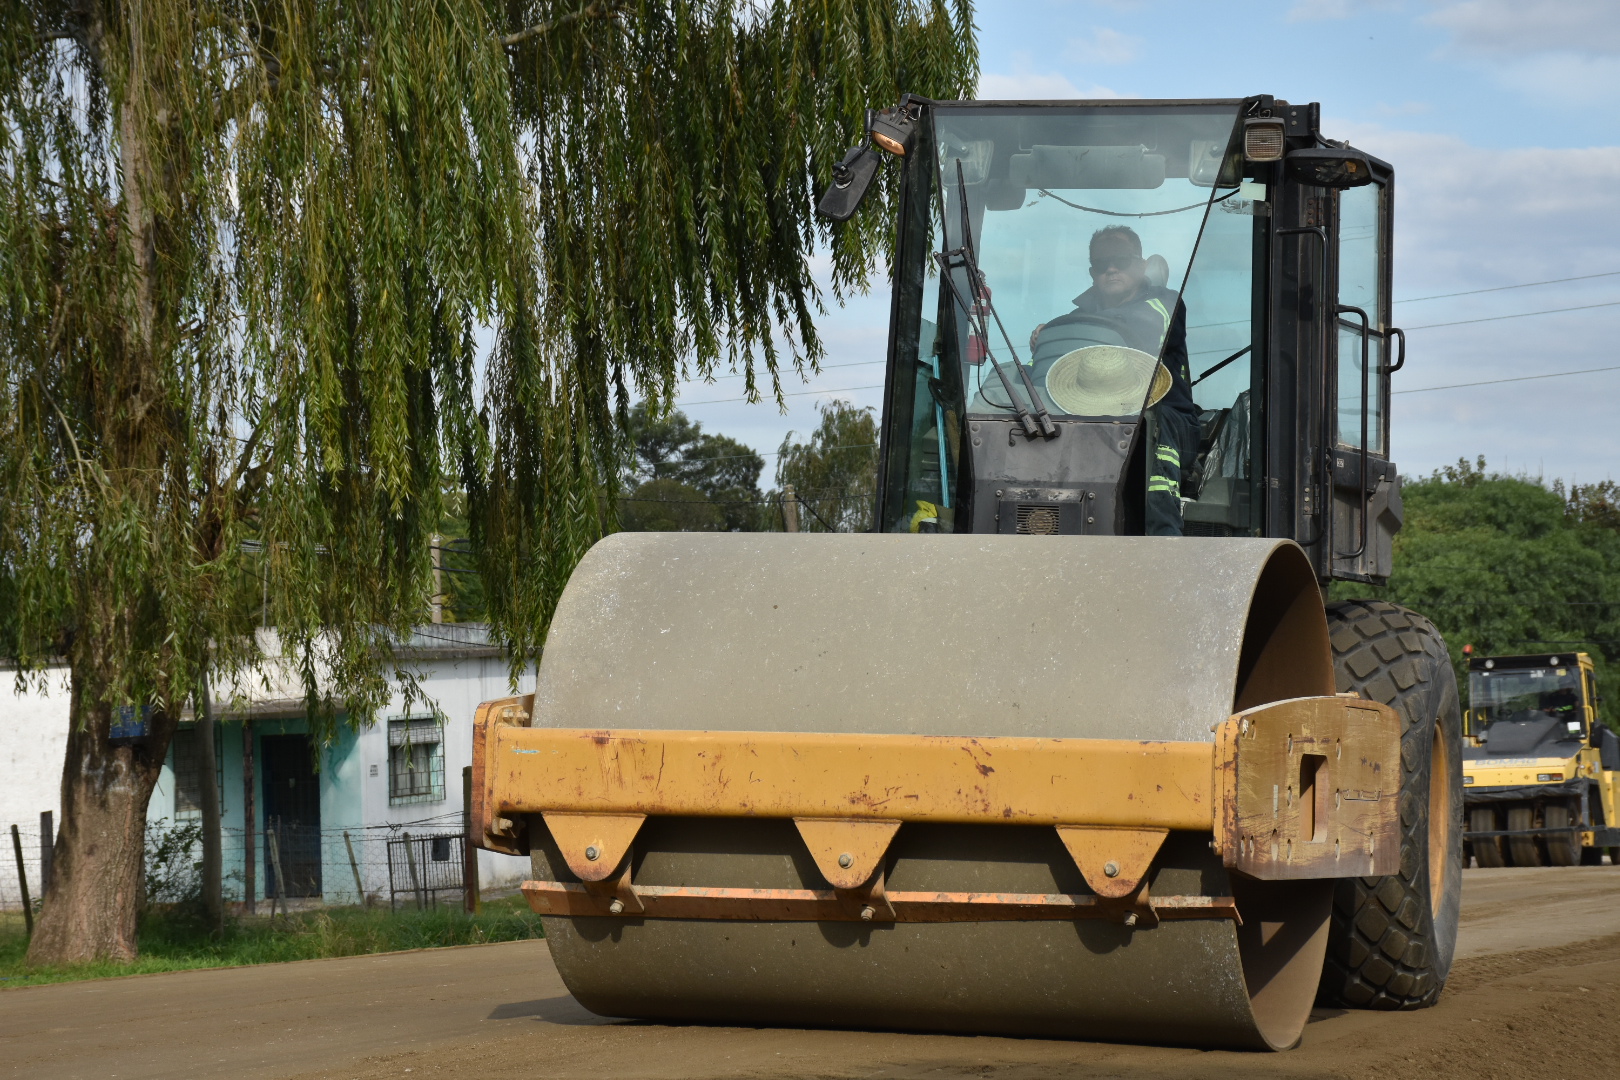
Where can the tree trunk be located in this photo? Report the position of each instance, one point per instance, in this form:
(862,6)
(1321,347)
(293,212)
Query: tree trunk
(208,783)
(93,906)
(94,900)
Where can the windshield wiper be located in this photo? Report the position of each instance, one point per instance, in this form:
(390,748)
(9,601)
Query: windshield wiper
(964,258)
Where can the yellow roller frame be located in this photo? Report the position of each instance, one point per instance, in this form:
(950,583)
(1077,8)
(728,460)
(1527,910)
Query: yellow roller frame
(1305,788)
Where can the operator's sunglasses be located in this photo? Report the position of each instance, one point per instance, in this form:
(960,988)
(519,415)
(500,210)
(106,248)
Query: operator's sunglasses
(1116,262)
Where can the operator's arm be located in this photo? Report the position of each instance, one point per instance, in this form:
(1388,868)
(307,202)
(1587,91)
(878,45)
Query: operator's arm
(1174,357)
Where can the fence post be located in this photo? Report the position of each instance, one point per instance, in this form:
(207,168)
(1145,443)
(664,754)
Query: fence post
(280,893)
(47,849)
(790,509)
(250,856)
(213,870)
(410,861)
(469,853)
(22,881)
(365,901)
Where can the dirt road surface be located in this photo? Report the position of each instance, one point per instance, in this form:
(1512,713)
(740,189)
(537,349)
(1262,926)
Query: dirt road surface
(1534,993)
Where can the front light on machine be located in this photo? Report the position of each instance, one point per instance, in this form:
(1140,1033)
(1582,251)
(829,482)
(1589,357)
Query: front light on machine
(1548,777)
(1263,139)
(892,129)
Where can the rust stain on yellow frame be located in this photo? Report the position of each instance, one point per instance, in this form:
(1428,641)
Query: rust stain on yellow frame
(894,777)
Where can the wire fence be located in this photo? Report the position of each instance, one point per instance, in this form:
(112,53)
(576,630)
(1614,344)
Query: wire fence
(413,865)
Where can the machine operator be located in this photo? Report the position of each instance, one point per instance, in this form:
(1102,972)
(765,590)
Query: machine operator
(1153,320)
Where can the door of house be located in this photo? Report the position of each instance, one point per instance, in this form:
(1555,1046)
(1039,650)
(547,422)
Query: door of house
(292,814)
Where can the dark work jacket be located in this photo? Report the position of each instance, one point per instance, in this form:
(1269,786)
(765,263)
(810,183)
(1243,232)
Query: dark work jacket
(1141,322)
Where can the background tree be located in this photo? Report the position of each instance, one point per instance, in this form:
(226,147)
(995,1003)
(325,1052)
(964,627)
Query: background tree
(709,482)
(666,505)
(1509,565)
(245,253)
(834,474)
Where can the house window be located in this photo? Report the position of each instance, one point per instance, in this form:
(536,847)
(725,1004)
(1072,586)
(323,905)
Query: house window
(415,762)
(188,774)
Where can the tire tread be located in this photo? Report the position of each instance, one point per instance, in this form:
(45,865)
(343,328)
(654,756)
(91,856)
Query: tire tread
(1380,949)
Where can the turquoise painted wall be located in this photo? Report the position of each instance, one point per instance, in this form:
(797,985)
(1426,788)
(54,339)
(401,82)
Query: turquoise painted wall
(340,801)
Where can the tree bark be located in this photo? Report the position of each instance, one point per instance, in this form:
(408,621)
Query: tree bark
(208,784)
(93,903)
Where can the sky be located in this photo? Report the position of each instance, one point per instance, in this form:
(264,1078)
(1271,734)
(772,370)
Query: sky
(1502,120)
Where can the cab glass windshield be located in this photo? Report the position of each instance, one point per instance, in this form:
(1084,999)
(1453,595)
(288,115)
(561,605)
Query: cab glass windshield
(1526,694)
(1084,225)
(1088,263)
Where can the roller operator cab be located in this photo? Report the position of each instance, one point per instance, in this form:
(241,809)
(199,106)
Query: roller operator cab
(1138,317)
(1541,771)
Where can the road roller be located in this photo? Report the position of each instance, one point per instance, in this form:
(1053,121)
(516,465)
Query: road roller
(1069,744)
(1541,771)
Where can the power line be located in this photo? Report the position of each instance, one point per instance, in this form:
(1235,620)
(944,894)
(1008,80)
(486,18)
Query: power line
(1504,288)
(1493,382)
(796,393)
(1516,315)
(764,453)
(762,501)
(704,381)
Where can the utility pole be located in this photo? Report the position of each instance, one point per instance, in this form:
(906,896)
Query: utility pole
(790,508)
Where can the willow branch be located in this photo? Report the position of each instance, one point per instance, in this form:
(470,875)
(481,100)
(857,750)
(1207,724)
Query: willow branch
(67,428)
(594,10)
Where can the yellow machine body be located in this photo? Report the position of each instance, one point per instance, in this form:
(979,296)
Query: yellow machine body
(1541,772)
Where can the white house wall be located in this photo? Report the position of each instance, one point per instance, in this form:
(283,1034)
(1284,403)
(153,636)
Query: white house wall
(456,687)
(33,740)
(354,776)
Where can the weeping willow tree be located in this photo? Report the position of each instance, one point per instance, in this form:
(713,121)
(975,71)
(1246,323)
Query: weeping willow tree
(275,276)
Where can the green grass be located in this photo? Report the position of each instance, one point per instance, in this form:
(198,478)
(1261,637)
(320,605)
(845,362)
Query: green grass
(170,942)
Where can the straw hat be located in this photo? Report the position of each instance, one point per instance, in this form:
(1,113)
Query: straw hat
(1106,380)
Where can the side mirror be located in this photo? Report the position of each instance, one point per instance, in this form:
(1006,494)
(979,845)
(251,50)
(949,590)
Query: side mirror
(852,177)
(1330,167)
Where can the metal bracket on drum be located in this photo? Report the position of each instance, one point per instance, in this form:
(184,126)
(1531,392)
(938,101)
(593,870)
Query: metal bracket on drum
(851,855)
(1293,805)
(826,905)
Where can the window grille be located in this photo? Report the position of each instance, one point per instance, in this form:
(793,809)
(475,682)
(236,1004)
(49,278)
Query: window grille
(187,778)
(187,748)
(415,762)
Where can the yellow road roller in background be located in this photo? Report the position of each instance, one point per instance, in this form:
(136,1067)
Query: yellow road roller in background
(1068,745)
(1541,771)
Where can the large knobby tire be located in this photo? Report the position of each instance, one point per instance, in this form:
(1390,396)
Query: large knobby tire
(1392,938)
(1487,849)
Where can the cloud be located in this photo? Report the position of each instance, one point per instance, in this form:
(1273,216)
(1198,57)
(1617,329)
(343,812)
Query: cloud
(1317,10)
(1027,84)
(1468,217)
(1518,27)
(1103,46)
(1550,50)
